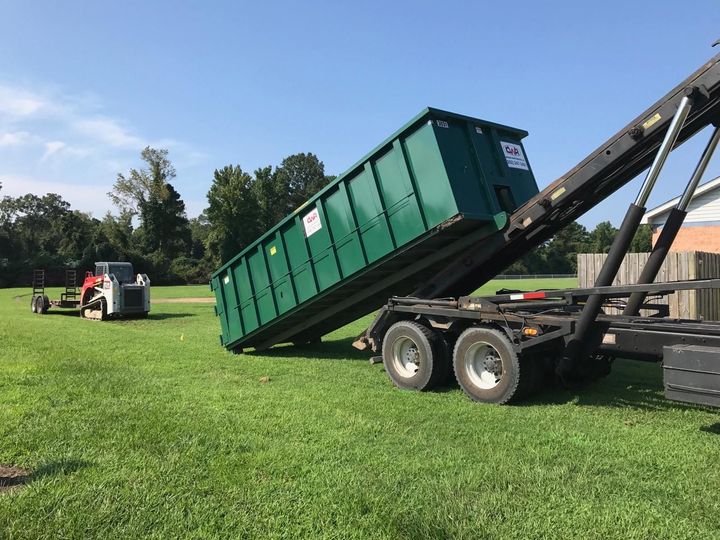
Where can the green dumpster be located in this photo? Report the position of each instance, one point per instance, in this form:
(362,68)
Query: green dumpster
(440,183)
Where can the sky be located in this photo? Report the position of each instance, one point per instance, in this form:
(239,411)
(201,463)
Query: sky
(84,86)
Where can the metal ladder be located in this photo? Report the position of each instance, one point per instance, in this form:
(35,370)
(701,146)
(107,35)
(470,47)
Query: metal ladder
(38,283)
(71,291)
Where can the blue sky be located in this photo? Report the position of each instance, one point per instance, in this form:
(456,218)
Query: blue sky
(84,86)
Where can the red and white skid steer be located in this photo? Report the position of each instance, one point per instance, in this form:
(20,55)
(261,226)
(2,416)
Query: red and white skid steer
(112,291)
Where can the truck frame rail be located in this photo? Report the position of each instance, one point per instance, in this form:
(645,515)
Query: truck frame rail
(538,324)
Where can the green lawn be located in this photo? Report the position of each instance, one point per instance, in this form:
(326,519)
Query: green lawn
(148,428)
(185,291)
(526,284)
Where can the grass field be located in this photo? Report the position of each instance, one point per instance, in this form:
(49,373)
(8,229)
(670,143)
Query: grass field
(148,428)
(188,291)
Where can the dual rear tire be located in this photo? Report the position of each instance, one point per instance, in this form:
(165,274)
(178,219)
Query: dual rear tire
(485,364)
(414,356)
(489,370)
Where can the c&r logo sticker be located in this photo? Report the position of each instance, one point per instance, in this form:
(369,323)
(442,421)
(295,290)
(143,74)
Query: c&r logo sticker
(514,155)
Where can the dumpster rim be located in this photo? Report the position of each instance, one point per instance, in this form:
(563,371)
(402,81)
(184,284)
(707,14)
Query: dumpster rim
(417,119)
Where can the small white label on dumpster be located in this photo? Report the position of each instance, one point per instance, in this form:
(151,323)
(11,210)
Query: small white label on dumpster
(514,155)
(311,221)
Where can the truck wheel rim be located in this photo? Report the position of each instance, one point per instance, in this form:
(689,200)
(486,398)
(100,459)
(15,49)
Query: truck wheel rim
(483,365)
(406,357)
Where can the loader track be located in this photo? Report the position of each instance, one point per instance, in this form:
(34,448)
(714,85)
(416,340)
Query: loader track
(86,311)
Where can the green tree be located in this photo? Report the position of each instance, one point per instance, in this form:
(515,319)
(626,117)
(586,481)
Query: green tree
(148,193)
(114,239)
(271,198)
(77,230)
(33,224)
(198,266)
(165,227)
(642,241)
(533,262)
(602,237)
(39,231)
(6,243)
(199,232)
(232,213)
(561,252)
(298,178)
(132,191)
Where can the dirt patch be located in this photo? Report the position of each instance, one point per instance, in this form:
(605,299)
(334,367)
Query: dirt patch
(188,300)
(12,477)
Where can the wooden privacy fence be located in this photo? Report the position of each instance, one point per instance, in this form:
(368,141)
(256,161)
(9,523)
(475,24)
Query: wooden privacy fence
(678,266)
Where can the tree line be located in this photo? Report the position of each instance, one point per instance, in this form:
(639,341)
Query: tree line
(558,256)
(151,229)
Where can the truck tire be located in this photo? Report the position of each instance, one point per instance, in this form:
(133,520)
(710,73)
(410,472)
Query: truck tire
(33,305)
(46,304)
(486,366)
(412,356)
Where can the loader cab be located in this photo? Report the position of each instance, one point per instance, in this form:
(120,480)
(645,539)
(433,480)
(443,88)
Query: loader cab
(123,271)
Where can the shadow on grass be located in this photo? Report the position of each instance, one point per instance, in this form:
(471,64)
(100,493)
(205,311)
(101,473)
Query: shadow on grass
(151,316)
(632,384)
(59,467)
(712,428)
(414,525)
(13,477)
(162,316)
(63,312)
(340,349)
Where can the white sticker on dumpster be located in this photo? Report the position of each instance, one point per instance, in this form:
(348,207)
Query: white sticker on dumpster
(311,221)
(514,155)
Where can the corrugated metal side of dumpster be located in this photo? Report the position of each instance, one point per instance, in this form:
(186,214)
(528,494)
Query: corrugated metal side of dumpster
(397,193)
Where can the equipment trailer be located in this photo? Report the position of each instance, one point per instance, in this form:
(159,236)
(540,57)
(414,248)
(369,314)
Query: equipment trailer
(113,290)
(40,302)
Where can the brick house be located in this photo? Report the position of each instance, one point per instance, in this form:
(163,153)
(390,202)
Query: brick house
(701,229)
